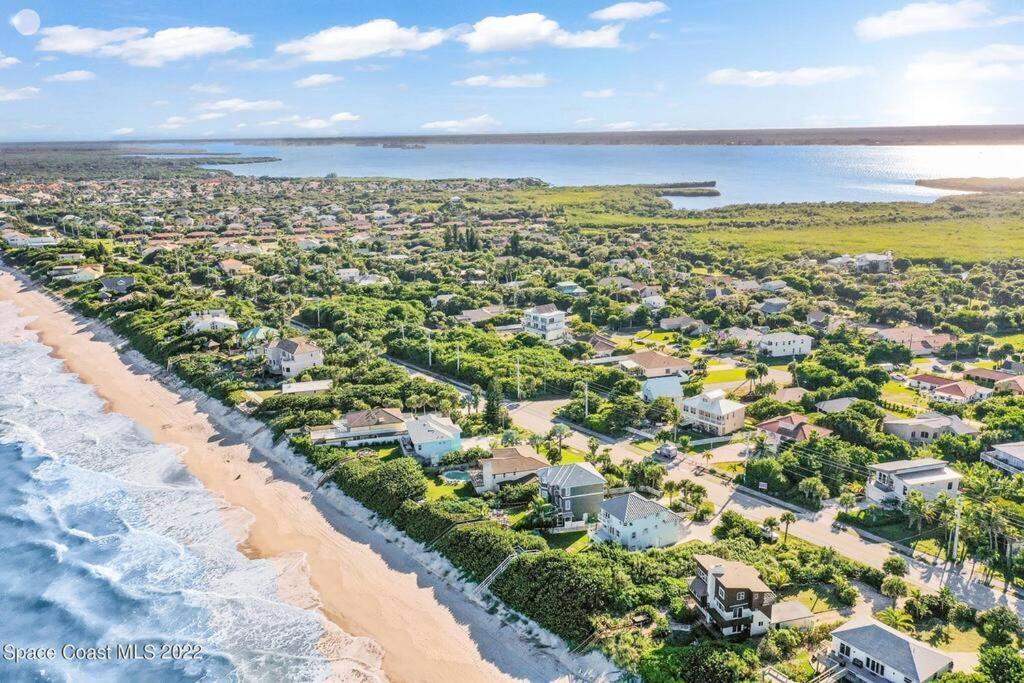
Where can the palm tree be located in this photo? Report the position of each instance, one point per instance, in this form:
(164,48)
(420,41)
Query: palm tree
(592,445)
(896,618)
(893,587)
(476,393)
(542,513)
(559,432)
(771,524)
(671,489)
(414,402)
(510,437)
(916,508)
(787,518)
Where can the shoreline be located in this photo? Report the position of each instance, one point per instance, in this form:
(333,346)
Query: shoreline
(364,576)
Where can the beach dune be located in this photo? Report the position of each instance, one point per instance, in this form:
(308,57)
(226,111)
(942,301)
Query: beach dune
(424,629)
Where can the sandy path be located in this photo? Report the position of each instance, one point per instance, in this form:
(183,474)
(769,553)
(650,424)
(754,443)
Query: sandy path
(374,592)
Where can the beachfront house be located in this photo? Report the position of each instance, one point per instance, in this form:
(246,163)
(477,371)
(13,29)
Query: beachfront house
(512,465)
(575,490)
(362,428)
(731,598)
(635,523)
(292,357)
(209,320)
(431,437)
(871,652)
(712,412)
(891,482)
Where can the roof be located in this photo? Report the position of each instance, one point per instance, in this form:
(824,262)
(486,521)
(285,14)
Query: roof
(933,420)
(894,649)
(963,388)
(571,475)
(632,507)
(516,459)
(304,387)
(793,426)
(789,394)
(732,574)
(987,374)
(373,417)
(934,380)
(543,309)
(655,360)
(295,345)
(835,405)
(432,428)
(794,610)
(1014,448)
(670,386)
(715,402)
(1016,380)
(908,465)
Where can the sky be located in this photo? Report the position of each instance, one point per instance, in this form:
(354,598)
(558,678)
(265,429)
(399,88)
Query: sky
(156,69)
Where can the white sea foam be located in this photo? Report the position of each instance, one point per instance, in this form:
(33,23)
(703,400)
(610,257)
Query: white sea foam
(106,538)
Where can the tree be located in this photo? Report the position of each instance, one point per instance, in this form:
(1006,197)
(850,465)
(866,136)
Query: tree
(813,489)
(847,501)
(1002,664)
(593,444)
(999,624)
(560,433)
(542,513)
(510,437)
(670,488)
(492,407)
(894,587)
(535,440)
(896,618)
(895,565)
(916,507)
(787,518)
(475,394)
(771,524)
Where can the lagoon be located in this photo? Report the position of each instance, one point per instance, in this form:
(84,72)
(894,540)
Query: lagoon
(745,174)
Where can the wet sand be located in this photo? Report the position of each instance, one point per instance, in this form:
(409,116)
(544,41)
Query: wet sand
(360,580)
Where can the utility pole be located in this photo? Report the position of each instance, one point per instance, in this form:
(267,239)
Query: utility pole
(430,352)
(519,384)
(458,357)
(586,399)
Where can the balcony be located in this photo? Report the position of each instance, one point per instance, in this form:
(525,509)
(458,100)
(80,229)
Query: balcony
(1007,464)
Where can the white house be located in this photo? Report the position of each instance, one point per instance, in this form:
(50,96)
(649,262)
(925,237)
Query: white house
(432,436)
(779,344)
(926,427)
(291,357)
(895,480)
(1009,457)
(962,392)
(663,387)
(873,652)
(545,321)
(212,319)
(712,412)
(636,523)
(362,427)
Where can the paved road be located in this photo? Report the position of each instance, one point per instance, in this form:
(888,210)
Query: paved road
(815,527)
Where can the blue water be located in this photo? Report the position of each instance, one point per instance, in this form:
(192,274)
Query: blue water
(106,539)
(745,174)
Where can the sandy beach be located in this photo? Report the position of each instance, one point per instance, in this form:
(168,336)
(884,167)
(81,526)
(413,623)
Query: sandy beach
(361,579)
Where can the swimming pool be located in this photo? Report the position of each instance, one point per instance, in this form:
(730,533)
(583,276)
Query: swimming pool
(455,476)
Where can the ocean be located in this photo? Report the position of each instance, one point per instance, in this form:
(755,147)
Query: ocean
(107,540)
(745,174)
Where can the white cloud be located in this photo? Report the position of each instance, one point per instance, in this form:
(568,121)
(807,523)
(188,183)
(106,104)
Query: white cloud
(622,125)
(317,123)
(521,81)
(991,63)
(133,45)
(524,31)
(316,80)
(344,116)
(207,88)
(584,121)
(10,95)
(210,116)
(123,131)
(602,94)
(237,104)
(470,124)
(161,103)
(625,11)
(928,17)
(377,37)
(6,62)
(313,124)
(808,75)
(71,76)
(174,122)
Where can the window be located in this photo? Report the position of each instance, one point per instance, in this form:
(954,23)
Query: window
(721,592)
(949,486)
(875,667)
(737,613)
(844,649)
(741,595)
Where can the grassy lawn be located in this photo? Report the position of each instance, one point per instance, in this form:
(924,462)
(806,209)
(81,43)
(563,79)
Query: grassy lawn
(438,488)
(817,597)
(730,468)
(928,543)
(1017,339)
(958,637)
(894,392)
(659,336)
(570,542)
(571,455)
(727,375)
(798,667)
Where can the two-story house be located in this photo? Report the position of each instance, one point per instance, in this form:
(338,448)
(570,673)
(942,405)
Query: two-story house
(731,597)
(508,466)
(926,427)
(431,437)
(712,412)
(1009,457)
(793,427)
(546,321)
(893,481)
(636,522)
(362,427)
(779,344)
(872,652)
(292,357)
(575,490)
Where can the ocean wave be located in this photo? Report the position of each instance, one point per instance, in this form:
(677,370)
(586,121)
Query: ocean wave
(106,538)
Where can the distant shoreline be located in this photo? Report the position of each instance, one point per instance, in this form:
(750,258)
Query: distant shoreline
(864,136)
(974,184)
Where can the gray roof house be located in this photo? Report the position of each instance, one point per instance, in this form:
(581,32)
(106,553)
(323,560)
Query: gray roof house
(117,285)
(875,653)
(576,490)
